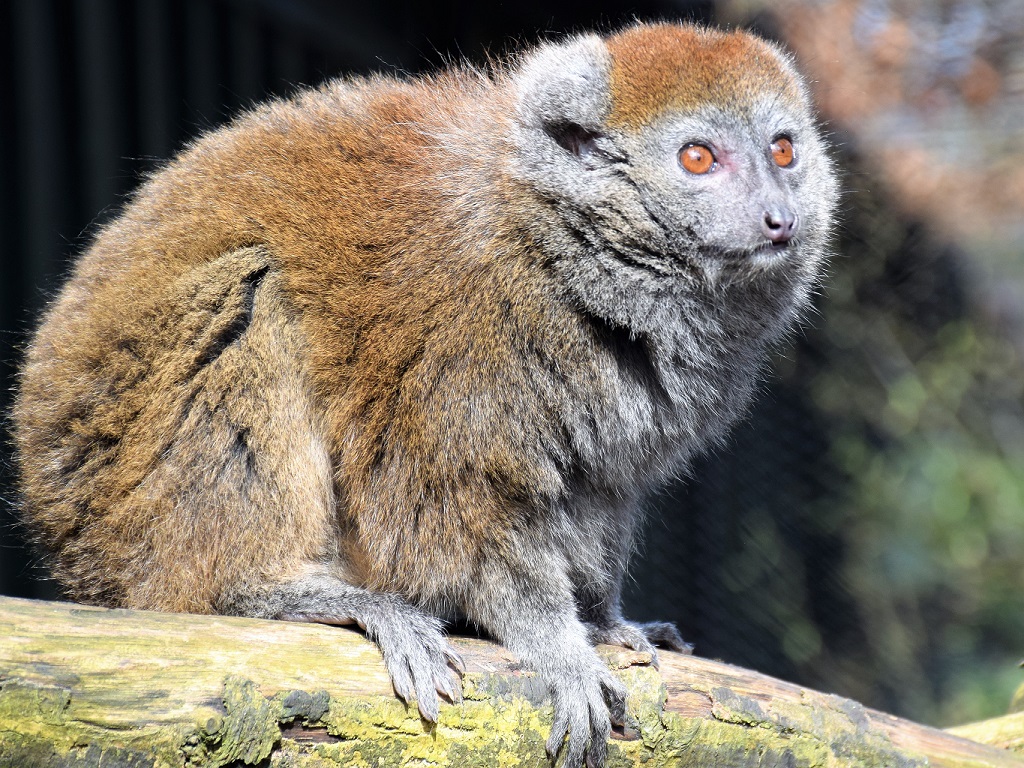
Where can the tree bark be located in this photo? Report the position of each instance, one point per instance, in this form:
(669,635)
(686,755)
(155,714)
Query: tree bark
(84,687)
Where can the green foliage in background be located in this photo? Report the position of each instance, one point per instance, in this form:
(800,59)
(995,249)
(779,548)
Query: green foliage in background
(923,402)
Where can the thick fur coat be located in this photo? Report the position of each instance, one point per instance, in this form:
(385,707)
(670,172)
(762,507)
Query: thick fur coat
(392,349)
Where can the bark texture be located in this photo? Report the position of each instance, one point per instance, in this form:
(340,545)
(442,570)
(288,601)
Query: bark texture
(90,687)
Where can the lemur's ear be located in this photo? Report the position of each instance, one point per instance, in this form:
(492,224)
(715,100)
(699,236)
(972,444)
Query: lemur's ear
(565,86)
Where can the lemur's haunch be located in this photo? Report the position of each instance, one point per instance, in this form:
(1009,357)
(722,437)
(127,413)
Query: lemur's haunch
(392,349)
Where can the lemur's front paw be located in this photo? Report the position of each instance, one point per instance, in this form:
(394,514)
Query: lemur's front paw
(641,637)
(665,634)
(586,706)
(418,658)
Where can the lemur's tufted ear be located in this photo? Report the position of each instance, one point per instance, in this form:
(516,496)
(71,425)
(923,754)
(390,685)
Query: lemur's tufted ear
(565,85)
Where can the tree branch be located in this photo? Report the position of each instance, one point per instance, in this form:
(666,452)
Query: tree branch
(95,687)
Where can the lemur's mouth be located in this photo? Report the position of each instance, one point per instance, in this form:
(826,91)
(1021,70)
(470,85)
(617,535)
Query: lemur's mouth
(766,251)
(771,249)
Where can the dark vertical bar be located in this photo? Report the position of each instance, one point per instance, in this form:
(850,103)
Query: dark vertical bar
(102,123)
(43,161)
(156,83)
(287,63)
(12,556)
(203,74)
(11,263)
(39,168)
(246,57)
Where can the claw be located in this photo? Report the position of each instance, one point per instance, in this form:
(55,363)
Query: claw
(447,687)
(401,681)
(551,749)
(577,749)
(617,712)
(559,728)
(428,707)
(597,754)
(456,697)
(455,660)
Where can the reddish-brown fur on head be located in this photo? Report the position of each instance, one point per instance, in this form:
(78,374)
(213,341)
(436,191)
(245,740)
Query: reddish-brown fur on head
(659,68)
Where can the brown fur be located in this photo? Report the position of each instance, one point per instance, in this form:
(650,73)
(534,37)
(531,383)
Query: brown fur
(334,196)
(648,60)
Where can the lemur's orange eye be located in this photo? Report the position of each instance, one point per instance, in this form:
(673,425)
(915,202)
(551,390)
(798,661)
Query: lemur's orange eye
(696,158)
(782,151)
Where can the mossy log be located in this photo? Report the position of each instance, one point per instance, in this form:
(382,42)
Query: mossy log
(88,687)
(1006,732)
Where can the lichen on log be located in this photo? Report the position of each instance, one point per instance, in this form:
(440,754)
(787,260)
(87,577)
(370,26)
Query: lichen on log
(91,687)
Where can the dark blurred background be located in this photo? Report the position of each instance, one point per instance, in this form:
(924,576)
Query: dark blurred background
(863,531)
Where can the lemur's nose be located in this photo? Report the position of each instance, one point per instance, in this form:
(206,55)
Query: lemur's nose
(779,225)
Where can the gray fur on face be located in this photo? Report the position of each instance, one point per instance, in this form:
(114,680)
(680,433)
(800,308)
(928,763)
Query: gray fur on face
(678,261)
(683,297)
